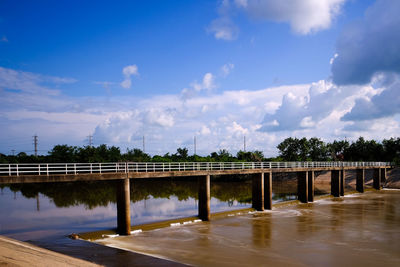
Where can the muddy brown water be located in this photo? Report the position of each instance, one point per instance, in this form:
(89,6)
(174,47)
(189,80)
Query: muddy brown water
(355,230)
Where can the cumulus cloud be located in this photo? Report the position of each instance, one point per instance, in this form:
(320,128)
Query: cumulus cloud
(4,39)
(208,83)
(304,16)
(128,71)
(306,111)
(369,46)
(383,104)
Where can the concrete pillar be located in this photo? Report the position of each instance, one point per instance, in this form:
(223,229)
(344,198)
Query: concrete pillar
(383,175)
(302,186)
(311,186)
(360,182)
(258,192)
(123,207)
(342,176)
(335,183)
(377,179)
(268,190)
(204,198)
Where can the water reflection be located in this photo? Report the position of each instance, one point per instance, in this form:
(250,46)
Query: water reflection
(42,210)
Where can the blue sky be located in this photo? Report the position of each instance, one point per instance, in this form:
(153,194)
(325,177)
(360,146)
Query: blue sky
(217,70)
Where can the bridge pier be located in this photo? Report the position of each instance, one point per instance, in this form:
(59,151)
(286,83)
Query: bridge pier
(335,183)
(377,179)
(310,186)
(383,175)
(123,207)
(302,186)
(360,180)
(342,178)
(268,190)
(258,192)
(204,198)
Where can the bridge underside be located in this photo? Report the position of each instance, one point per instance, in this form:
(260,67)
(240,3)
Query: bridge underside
(52,178)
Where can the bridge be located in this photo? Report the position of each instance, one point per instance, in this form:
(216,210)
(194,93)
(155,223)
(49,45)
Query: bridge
(262,173)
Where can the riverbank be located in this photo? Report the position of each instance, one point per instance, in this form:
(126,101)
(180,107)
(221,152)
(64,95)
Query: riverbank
(17,253)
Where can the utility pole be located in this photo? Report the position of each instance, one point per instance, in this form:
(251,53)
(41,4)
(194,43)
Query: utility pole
(35,142)
(90,139)
(13,152)
(244,143)
(144,147)
(194,140)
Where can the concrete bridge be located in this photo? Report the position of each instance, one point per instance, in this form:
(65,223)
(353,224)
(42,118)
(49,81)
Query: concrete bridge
(261,180)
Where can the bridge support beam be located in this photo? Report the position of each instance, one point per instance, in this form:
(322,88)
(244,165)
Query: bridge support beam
(204,198)
(335,183)
(360,180)
(342,178)
(377,179)
(310,186)
(258,192)
(383,175)
(302,186)
(123,207)
(268,190)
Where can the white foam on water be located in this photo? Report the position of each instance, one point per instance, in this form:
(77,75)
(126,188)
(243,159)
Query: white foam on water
(195,221)
(110,235)
(136,231)
(188,222)
(175,224)
(391,189)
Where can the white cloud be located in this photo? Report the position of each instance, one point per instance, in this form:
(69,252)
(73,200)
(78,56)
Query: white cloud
(4,39)
(304,16)
(224,29)
(226,69)
(218,119)
(128,71)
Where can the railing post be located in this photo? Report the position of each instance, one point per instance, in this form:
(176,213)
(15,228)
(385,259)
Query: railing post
(17,171)
(47,169)
(9,169)
(91,168)
(100,167)
(66,168)
(39,169)
(75,168)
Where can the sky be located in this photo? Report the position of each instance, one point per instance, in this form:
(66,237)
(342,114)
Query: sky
(219,72)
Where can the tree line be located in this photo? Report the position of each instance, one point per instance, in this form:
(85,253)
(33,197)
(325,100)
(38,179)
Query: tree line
(290,149)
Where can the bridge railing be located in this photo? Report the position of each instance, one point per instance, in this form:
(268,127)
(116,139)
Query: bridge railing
(126,167)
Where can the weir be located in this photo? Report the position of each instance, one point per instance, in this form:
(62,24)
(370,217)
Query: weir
(261,181)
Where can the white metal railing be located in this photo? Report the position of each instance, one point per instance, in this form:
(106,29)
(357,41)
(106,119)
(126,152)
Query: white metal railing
(125,167)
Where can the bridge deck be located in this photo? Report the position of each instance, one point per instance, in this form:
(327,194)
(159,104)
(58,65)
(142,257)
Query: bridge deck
(71,177)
